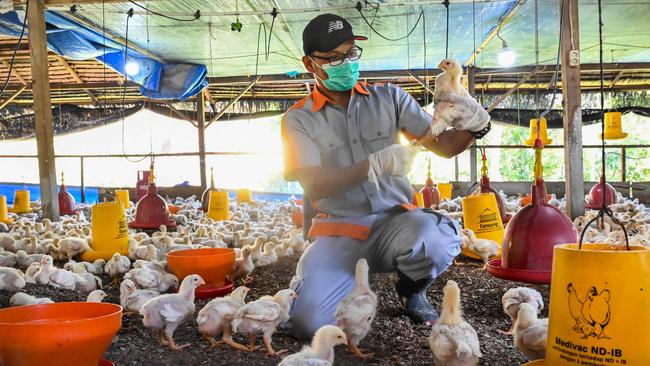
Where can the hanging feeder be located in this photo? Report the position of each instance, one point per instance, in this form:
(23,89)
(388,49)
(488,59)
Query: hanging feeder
(430,194)
(484,187)
(244,195)
(67,203)
(4,212)
(21,202)
(109,231)
(531,234)
(533,132)
(597,192)
(122,195)
(481,215)
(613,126)
(151,210)
(445,190)
(142,185)
(205,197)
(212,264)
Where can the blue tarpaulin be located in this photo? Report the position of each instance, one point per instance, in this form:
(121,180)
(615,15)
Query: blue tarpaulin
(70,39)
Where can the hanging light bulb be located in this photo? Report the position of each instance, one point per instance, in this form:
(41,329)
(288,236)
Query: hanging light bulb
(132,68)
(507,56)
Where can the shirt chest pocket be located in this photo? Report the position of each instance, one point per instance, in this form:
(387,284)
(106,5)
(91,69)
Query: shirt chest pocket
(377,133)
(328,144)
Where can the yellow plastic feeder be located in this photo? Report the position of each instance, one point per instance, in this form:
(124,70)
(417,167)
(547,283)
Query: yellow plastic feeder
(218,206)
(123,197)
(419,199)
(481,215)
(613,126)
(542,132)
(244,196)
(110,233)
(4,212)
(21,202)
(445,190)
(600,296)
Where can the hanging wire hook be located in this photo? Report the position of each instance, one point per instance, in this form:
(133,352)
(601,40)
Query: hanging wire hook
(446,4)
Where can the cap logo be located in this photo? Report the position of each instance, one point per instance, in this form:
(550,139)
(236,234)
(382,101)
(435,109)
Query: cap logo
(335,25)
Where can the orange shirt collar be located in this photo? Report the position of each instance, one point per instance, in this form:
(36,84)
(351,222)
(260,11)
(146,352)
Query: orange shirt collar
(319,99)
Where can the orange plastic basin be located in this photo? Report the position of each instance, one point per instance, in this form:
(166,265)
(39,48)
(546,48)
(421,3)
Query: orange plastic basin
(212,264)
(67,333)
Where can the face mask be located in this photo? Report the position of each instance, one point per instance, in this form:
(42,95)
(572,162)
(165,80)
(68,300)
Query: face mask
(340,77)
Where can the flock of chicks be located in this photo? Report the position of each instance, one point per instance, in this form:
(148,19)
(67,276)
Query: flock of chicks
(260,233)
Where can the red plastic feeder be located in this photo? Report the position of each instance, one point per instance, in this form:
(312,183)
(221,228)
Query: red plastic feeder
(151,210)
(595,199)
(67,203)
(430,193)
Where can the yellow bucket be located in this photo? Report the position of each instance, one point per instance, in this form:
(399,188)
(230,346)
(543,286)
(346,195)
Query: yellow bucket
(110,233)
(21,202)
(445,190)
(419,199)
(123,197)
(600,296)
(244,196)
(481,215)
(219,207)
(613,126)
(4,213)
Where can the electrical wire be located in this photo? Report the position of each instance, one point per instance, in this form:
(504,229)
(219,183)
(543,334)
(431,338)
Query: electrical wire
(197,15)
(446,4)
(359,7)
(557,62)
(13,56)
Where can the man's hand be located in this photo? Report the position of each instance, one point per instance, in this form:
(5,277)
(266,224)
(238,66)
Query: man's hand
(472,116)
(393,160)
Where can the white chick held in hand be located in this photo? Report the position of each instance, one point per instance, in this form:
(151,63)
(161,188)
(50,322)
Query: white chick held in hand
(447,83)
(453,341)
(355,314)
(514,297)
(166,312)
(531,333)
(264,316)
(321,350)
(216,317)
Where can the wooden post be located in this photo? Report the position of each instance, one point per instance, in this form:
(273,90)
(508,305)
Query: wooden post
(574,183)
(471,88)
(42,109)
(623,164)
(200,119)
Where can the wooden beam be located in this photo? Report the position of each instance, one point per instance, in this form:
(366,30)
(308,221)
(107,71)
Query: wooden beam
(12,97)
(50,3)
(200,121)
(42,109)
(14,72)
(504,19)
(76,77)
(424,84)
(233,101)
(616,78)
(514,89)
(573,166)
(180,114)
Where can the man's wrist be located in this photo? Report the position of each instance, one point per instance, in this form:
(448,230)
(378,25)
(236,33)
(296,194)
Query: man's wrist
(481,133)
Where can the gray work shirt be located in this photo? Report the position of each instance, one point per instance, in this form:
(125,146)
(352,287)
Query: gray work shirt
(317,132)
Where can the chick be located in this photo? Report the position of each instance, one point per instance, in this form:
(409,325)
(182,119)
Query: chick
(151,279)
(30,272)
(132,299)
(283,250)
(355,314)
(8,259)
(321,351)
(88,282)
(166,312)
(264,316)
(268,257)
(117,265)
(447,82)
(216,316)
(530,333)
(11,279)
(256,249)
(484,248)
(42,277)
(21,298)
(61,278)
(73,246)
(96,296)
(243,266)
(453,341)
(514,297)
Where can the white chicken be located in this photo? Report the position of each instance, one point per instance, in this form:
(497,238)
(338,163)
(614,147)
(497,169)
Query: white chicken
(514,297)
(11,279)
(30,272)
(117,265)
(166,312)
(264,316)
(96,296)
(25,260)
(321,350)
(64,279)
(530,333)
(447,82)
(355,314)
(72,246)
(152,279)
(484,248)
(268,257)
(453,341)
(21,298)
(88,282)
(216,317)
(243,266)
(132,299)
(42,277)
(256,248)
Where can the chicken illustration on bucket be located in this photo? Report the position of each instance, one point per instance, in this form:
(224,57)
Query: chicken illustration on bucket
(591,314)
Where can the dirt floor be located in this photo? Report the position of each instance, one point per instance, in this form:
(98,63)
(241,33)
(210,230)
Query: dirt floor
(394,339)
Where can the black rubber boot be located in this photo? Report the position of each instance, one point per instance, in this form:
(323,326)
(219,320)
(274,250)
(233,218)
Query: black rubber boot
(413,295)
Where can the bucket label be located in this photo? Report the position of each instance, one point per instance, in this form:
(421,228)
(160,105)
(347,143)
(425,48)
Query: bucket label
(122,230)
(487,222)
(592,314)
